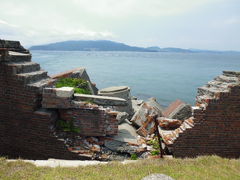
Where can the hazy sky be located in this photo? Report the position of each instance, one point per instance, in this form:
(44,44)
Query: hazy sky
(204,24)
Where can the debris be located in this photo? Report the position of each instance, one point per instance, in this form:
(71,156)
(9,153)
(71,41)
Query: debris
(136,104)
(119,146)
(120,92)
(121,117)
(178,110)
(144,155)
(142,131)
(127,141)
(143,118)
(169,136)
(150,107)
(116,91)
(169,124)
(126,133)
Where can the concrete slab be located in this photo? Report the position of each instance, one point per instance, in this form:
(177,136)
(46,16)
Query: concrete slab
(65,92)
(101,100)
(113,89)
(126,133)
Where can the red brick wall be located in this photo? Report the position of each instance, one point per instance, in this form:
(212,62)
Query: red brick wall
(91,122)
(216,130)
(24,131)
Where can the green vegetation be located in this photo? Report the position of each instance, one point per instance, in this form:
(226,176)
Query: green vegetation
(155,152)
(80,86)
(67,126)
(207,167)
(155,145)
(134,157)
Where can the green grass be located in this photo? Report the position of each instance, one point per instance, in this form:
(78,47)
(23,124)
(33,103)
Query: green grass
(80,86)
(207,167)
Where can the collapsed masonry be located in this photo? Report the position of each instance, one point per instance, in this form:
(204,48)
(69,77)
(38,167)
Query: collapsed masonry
(27,129)
(215,125)
(109,121)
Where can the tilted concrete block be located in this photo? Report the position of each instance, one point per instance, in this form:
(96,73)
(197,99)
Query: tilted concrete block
(178,110)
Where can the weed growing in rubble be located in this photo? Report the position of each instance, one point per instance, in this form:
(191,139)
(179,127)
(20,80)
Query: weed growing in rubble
(134,157)
(80,86)
(155,152)
(67,126)
(154,143)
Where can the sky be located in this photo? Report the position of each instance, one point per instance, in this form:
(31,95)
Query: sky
(200,24)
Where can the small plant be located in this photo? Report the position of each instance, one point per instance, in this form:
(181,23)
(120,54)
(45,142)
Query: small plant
(155,152)
(154,143)
(67,126)
(80,86)
(134,157)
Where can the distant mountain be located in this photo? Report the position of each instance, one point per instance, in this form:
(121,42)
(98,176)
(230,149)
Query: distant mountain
(99,45)
(170,49)
(180,50)
(154,48)
(105,45)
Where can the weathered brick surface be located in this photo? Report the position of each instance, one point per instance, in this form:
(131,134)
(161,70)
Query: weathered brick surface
(26,131)
(91,119)
(51,100)
(91,122)
(216,129)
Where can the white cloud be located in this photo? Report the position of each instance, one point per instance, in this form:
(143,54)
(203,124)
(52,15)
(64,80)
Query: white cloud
(139,7)
(2,22)
(130,21)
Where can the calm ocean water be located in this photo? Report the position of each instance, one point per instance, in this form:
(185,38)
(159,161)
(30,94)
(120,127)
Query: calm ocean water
(166,76)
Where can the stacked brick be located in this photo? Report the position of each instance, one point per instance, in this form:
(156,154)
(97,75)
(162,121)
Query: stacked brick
(91,119)
(216,121)
(52,101)
(91,122)
(26,130)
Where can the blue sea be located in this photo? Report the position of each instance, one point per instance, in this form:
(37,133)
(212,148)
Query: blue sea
(166,76)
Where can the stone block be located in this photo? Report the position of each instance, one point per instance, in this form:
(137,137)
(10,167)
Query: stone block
(116,91)
(126,133)
(147,109)
(121,117)
(65,92)
(136,104)
(178,110)
(144,117)
(120,92)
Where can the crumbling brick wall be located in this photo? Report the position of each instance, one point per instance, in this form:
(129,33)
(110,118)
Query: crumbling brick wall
(26,129)
(91,122)
(91,119)
(217,125)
